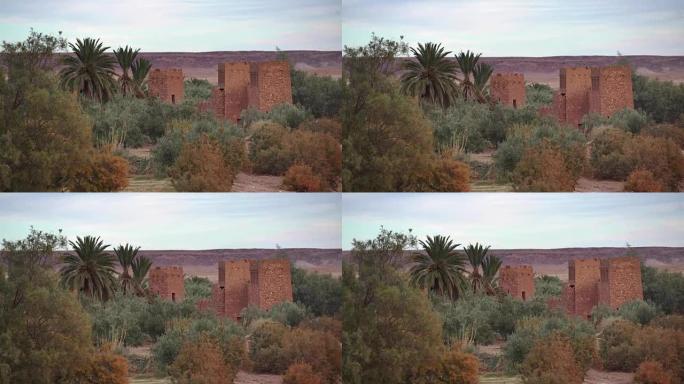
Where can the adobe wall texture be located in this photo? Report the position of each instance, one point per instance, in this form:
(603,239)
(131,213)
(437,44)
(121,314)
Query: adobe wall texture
(243,283)
(575,84)
(242,85)
(167,282)
(508,89)
(620,281)
(518,281)
(591,282)
(166,84)
(611,90)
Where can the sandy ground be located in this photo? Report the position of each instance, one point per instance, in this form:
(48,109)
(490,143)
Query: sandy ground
(252,378)
(601,377)
(245,182)
(592,185)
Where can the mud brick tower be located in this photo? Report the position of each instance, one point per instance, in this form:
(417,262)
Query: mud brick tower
(518,281)
(620,281)
(611,90)
(244,283)
(241,85)
(575,84)
(610,282)
(167,282)
(166,84)
(508,89)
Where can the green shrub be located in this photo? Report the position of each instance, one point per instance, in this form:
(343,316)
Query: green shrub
(547,286)
(607,159)
(322,95)
(629,120)
(468,319)
(197,288)
(551,361)
(266,347)
(265,150)
(663,101)
(538,95)
(319,293)
(197,89)
(664,289)
(166,349)
(638,311)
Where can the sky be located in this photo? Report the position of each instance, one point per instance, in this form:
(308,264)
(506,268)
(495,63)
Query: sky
(177,220)
(521,220)
(523,27)
(181,25)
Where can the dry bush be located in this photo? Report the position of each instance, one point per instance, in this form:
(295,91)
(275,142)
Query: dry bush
(301,373)
(266,347)
(448,175)
(265,148)
(543,168)
(324,125)
(552,360)
(453,367)
(201,361)
(607,158)
(103,367)
(642,180)
(321,350)
(652,372)
(104,172)
(201,167)
(301,178)
(324,324)
(320,151)
(660,156)
(675,322)
(666,131)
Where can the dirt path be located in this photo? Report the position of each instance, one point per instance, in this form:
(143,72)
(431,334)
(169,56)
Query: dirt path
(600,377)
(592,185)
(253,378)
(245,182)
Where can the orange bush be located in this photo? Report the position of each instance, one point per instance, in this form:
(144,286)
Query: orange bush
(450,175)
(103,367)
(642,180)
(324,125)
(301,373)
(324,324)
(552,360)
(660,156)
(543,168)
(321,350)
(201,167)
(320,151)
(454,367)
(300,178)
(103,173)
(652,372)
(201,361)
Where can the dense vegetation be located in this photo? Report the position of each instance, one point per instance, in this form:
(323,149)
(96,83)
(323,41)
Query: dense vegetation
(427,323)
(87,337)
(399,132)
(75,130)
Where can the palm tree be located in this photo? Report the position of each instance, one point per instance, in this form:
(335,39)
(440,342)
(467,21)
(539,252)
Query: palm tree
(439,268)
(140,69)
(476,255)
(481,75)
(126,255)
(432,76)
(126,57)
(140,266)
(490,271)
(90,71)
(91,269)
(467,61)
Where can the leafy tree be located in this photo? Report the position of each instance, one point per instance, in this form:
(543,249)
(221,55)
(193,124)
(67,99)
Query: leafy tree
(490,272)
(126,57)
(89,71)
(477,254)
(321,95)
(126,255)
(663,101)
(439,268)
(90,269)
(481,75)
(664,289)
(319,293)
(140,69)
(431,77)
(197,288)
(467,64)
(140,266)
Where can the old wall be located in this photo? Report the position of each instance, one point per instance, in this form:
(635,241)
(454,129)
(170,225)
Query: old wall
(273,84)
(575,84)
(234,79)
(518,281)
(271,283)
(234,277)
(166,84)
(584,276)
(167,282)
(611,89)
(508,89)
(620,281)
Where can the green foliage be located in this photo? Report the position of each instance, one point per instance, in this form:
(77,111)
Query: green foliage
(286,115)
(321,294)
(538,95)
(197,288)
(547,286)
(287,313)
(468,320)
(551,361)
(197,90)
(630,120)
(266,347)
(439,268)
(638,311)
(90,70)
(89,269)
(431,76)
(663,101)
(664,289)
(321,95)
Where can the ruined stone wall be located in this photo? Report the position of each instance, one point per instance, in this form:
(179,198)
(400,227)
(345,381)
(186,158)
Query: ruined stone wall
(620,281)
(518,281)
(508,89)
(575,84)
(166,84)
(234,278)
(234,78)
(584,276)
(611,89)
(271,283)
(167,282)
(272,85)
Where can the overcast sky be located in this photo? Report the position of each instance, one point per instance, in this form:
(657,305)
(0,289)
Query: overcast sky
(521,220)
(181,25)
(179,221)
(523,27)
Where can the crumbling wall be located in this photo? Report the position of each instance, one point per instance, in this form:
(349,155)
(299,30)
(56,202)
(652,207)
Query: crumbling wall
(233,79)
(620,281)
(271,283)
(611,90)
(508,89)
(166,84)
(575,84)
(167,282)
(584,275)
(273,84)
(234,278)
(518,281)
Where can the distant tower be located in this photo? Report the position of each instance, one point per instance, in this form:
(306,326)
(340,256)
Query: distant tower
(166,84)
(517,281)
(611,90)
(168,283)
(620,281)
(508,89)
